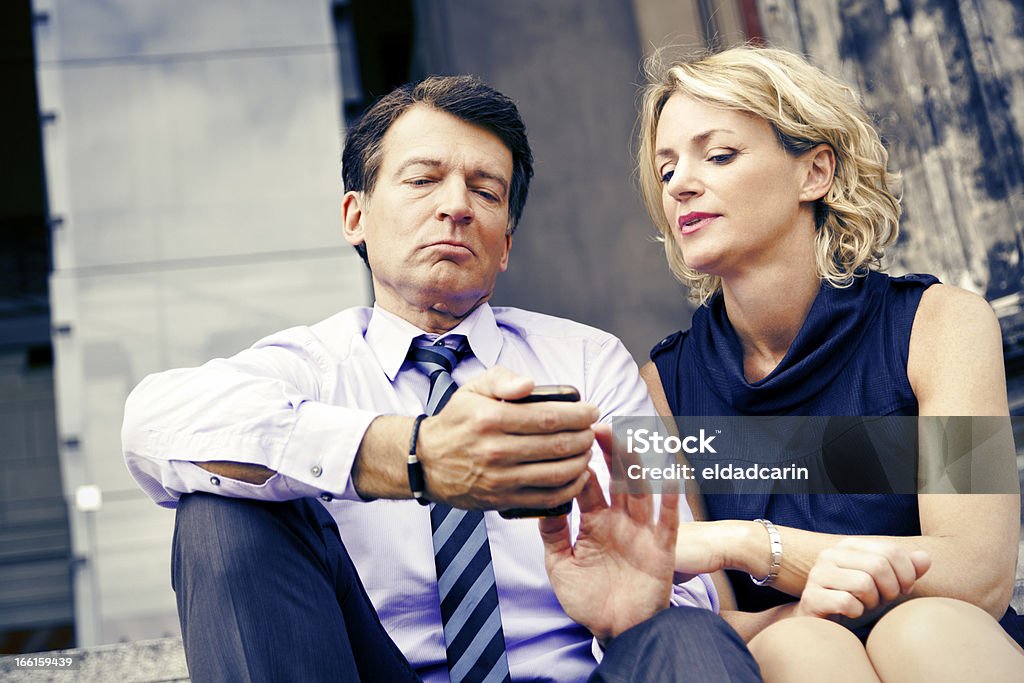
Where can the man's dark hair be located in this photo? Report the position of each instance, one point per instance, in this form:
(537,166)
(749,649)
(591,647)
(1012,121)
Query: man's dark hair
(465,97)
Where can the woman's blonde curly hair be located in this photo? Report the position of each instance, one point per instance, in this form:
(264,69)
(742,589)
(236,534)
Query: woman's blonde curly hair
(858,217)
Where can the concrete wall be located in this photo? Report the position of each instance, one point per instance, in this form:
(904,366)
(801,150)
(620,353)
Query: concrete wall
(192,163)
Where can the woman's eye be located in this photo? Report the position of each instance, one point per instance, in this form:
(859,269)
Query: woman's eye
(722,157)
(666,176)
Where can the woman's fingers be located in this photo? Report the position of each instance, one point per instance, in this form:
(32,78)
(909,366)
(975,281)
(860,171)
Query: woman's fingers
(922,562)
(857,583)
(871,567)
(858,574)
(894,569)
(817,601)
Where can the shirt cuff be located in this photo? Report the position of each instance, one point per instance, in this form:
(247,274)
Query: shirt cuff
(697,592)
(318,456)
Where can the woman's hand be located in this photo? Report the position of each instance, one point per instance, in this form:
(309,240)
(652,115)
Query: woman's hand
(699,549)
(858,575)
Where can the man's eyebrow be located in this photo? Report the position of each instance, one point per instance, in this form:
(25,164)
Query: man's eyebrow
(418,161)
(487,175)
(698,139)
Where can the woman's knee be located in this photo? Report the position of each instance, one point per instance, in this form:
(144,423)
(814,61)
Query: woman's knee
(799,635)
(928,638)
(919,624)
(810,649)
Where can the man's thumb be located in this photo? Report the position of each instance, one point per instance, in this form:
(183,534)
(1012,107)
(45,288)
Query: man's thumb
(501,383)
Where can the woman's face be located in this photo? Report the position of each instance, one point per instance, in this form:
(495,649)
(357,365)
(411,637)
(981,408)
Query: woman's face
(731,193)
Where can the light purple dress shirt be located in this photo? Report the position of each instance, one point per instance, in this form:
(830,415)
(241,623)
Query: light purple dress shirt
(299,401)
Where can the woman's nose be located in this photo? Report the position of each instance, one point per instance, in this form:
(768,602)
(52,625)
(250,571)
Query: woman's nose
(683,183)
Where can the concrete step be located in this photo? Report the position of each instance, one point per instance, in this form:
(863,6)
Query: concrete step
(144,661)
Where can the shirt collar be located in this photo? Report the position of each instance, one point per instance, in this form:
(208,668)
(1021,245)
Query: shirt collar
(390,336)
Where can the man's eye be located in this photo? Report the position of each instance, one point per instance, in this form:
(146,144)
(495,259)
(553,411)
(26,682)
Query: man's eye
(421,181)
(489,196)
(666,176)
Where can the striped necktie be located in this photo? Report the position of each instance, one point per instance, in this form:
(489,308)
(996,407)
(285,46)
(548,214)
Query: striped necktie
(474,640)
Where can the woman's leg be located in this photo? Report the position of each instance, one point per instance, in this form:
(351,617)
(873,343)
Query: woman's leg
(810,649)
(942,639)
(804,648)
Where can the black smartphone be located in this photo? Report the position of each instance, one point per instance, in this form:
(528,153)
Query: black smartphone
(548,392)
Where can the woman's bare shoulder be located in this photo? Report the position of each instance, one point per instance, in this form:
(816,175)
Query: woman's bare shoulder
(956,361)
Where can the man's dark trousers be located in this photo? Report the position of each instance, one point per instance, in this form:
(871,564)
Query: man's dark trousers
(267,592)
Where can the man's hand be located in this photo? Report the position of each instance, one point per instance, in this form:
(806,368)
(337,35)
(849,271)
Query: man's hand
(619,572)
(480,452)
(859,575)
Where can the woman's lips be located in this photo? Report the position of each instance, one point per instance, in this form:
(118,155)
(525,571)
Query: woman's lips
(694,221)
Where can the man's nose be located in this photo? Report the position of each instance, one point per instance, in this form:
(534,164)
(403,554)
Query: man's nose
(454,202)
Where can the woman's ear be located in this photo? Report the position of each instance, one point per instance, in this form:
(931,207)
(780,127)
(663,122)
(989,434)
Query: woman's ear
(352,218)
(821,171)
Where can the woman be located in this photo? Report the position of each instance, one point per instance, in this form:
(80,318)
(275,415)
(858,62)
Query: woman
(769,185)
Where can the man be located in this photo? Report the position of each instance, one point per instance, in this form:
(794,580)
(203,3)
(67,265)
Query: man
(273,584)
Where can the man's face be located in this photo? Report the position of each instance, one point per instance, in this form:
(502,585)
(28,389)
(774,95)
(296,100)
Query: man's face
(436,223)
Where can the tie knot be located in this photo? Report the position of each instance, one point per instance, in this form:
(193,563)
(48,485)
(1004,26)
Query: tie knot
(444,354)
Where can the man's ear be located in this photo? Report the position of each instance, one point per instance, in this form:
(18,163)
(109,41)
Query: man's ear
(821,170)
(503,264)
(352,214)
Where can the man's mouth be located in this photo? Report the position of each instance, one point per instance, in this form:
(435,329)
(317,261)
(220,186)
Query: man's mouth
(451,246)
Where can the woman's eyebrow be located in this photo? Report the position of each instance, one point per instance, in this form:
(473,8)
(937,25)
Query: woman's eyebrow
(701,138)
(696,140)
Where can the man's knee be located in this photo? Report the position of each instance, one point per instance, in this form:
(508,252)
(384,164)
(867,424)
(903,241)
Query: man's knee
(677,623)
(226,538)
(202,513)
(691,641)
(196,513)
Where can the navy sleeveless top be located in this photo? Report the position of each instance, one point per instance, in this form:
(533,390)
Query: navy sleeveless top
(849,358)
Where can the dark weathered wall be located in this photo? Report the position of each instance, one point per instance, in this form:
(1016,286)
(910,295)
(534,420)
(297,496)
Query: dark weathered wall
(945,79)
(583,249)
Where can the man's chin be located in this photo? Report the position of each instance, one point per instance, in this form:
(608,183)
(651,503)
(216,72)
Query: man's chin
(458,309)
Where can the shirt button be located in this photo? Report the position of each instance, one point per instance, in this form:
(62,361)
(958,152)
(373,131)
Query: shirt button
(316,470)
(326,497)
(215,481)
